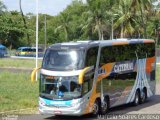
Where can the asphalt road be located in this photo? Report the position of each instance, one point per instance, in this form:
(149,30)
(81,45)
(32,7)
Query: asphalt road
(151,106)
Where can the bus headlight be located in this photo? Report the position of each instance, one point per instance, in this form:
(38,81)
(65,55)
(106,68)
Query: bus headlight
(75,103)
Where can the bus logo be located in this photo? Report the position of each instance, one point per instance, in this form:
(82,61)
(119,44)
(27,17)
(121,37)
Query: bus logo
(123,67)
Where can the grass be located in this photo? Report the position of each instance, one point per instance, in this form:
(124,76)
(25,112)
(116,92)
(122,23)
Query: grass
(19,63)
(17,92)
(158,73)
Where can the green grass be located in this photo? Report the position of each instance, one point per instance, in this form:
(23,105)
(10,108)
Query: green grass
(158,73)
(20,63)
(17,91)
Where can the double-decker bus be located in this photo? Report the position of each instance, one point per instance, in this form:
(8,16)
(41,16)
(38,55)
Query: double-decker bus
(78,78)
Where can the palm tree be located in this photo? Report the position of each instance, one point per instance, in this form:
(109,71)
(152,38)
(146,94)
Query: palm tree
(153,26)
(64,25)
(96,17)
(111,6)
(24,21)
(133,15)
(142,8)
(126,19)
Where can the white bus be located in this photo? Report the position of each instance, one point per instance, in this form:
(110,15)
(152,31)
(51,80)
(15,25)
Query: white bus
(78,78)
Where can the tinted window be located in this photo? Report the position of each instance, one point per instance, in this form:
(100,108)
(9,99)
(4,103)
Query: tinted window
(145,50)
(117,53)
(126,52)
(91,56)
(88,81)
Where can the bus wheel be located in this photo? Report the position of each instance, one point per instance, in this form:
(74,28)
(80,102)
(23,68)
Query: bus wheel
(136,98)
(96,108)
(104,106)
(143,96)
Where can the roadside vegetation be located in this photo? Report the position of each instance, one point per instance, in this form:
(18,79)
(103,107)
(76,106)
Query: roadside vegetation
(92,20)
(17,92)
(19,63)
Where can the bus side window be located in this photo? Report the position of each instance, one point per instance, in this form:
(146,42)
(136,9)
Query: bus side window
(85,87)
(88,81)
(107,55)
(91,56)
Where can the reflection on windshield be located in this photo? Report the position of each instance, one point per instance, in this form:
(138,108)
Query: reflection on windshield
(60,87)
(63,59)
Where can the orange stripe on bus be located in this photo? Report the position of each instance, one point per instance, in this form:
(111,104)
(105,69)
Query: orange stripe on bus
(108,68)
(149,66)
(120,43)
(148,41)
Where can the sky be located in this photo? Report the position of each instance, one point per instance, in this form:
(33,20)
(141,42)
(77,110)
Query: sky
(51,7)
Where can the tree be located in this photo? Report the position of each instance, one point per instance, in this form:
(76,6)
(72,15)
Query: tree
(2,7)
(11,30)
(75,10)
(125,21)
(90,20)
(64,24)
(24,21)
(143,9)
(96,17)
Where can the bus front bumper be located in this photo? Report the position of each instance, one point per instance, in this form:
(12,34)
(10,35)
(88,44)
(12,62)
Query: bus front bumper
(58,111)
(76,109)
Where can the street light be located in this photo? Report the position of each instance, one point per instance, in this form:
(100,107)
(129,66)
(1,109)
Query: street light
(36,38)
(45,35)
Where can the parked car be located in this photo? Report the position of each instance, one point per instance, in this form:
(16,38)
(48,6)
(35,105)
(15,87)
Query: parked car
(40,52)
(3,50)
(23,51)
(29,52)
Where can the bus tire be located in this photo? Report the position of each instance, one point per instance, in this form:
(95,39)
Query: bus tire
(105,106)
(136,98)
(143,95)
(96,107)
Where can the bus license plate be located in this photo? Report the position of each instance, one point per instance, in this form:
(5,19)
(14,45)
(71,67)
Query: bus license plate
(57,112)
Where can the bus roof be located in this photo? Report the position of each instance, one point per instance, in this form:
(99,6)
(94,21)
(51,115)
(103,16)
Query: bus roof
(89,43)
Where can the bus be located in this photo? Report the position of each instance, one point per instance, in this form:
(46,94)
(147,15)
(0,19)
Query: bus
(29,52)
(78,78)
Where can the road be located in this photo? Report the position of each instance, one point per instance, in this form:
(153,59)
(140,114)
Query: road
(151,106)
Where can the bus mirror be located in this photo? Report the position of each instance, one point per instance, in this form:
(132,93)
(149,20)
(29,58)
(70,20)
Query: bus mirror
(82,73)
(33,74)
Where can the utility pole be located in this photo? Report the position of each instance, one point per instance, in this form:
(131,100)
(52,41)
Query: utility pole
(112,29)
(36,38)
(45,33)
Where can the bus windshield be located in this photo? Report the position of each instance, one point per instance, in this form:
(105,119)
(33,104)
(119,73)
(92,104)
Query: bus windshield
(63,60)
(60,87)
